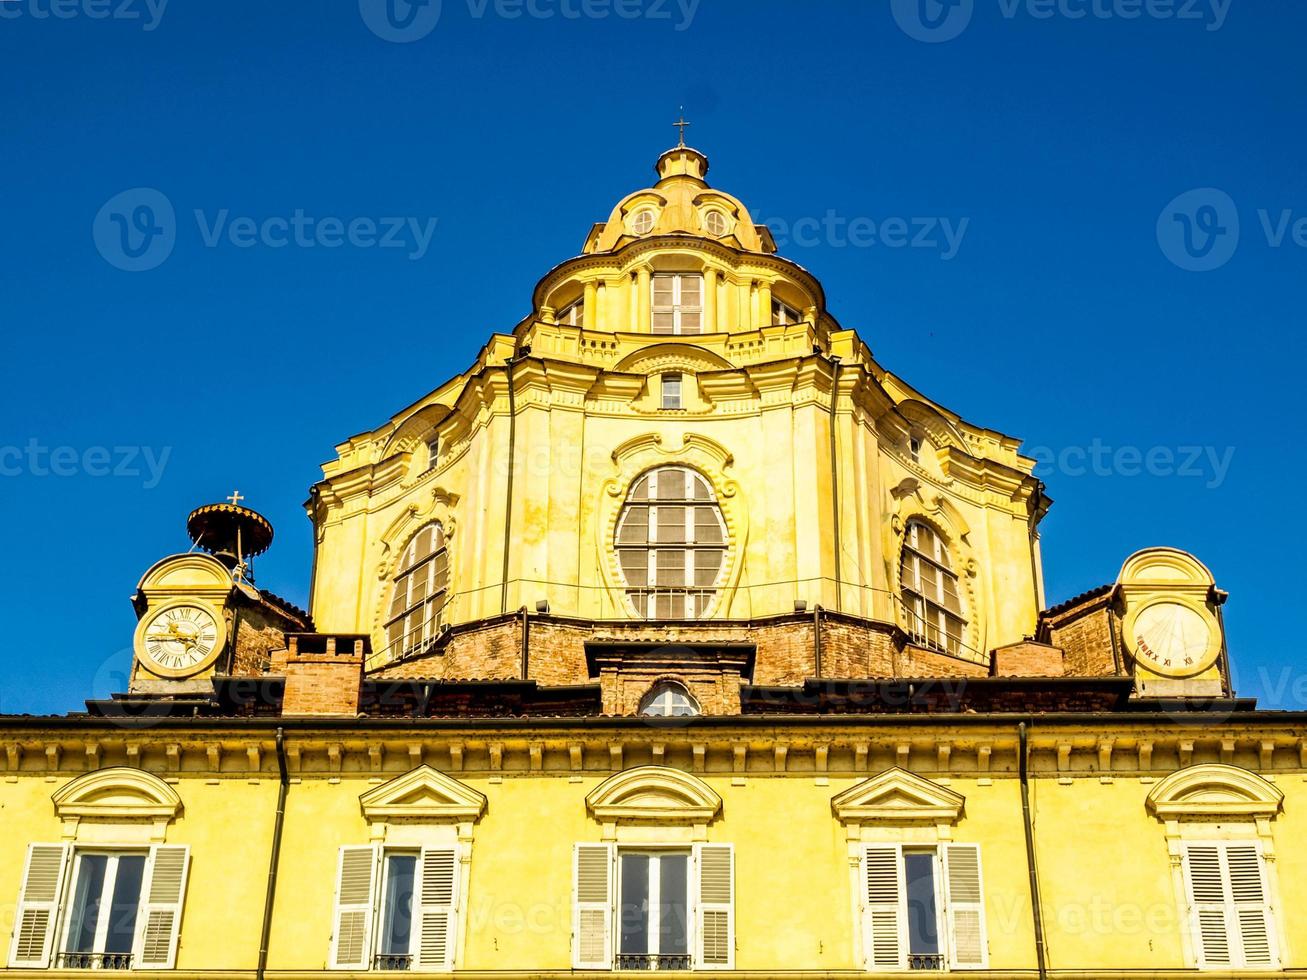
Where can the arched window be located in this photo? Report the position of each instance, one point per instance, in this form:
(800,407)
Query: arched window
(421,584)
(671,543)
(668,700)
(930,590)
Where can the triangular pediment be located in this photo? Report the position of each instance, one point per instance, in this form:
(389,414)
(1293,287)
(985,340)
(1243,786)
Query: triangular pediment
(423,793)
(898,795)
(654,793)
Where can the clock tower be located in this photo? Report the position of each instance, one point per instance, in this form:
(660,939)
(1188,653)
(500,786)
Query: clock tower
(199,615)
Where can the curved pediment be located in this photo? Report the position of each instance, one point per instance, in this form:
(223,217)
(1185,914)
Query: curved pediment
(1214,791)
(653,793)
(897,795)
(423,794)
(118,793)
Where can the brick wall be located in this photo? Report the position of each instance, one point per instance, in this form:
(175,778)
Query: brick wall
(1029,659)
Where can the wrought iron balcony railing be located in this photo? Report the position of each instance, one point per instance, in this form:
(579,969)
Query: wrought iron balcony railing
(393,961)
(925,961)
(95,961)
(653,961)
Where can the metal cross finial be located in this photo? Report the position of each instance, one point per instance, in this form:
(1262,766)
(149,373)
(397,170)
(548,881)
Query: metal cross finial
(681,124)
(235,498)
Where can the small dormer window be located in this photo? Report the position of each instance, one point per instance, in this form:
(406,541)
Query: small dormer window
(717,223)
(672,385)
(669,700)
(914,448)
(643,222)
(573,315)
(784,315)
(433,452)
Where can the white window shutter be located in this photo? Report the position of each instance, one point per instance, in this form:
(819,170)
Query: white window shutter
(38,905)
(437,909)
(160,918)
(1205,877)
(356,881)
(714,901)
(965,901)
(884,909)
(592,910)
(1252,908)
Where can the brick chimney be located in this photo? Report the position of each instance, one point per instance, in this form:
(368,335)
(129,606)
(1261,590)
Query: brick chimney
(1028,659)
(323,673)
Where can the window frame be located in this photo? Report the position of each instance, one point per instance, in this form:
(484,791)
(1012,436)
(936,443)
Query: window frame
(1231,907)
(697,601)
(929,617)
(947,958)
(380,921)
(784,315)
(672,386)
(107,888)
(639,216)
(573,314)
(654,884)
(433,602)
(666,687)
(678,308)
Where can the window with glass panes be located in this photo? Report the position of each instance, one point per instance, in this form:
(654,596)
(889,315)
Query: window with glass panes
(100,931)
(671,386)
(930,590)
(573,315)
(671,544)
(782,314)
(677,303)
(654,910)
(419,593)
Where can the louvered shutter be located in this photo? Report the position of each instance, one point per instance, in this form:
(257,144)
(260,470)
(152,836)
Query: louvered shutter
(884,911)
(592,911)
(965,902)
(1207,906)
(160,918)
(351,940)
(714,898)
(437,909)
(1229,908)
(38,905)
(1250,903)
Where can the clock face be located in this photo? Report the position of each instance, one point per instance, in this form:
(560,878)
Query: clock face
(1173,638)
(180,638)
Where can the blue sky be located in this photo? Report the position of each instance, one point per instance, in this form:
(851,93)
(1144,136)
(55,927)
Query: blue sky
(1089,303)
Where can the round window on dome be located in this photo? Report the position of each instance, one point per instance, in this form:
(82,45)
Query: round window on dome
(643,222)
(717,223)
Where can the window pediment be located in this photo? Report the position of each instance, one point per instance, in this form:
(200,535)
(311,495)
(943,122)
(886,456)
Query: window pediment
(898,796)
(423,794)
(1214,791)
(653,793)
(117,793)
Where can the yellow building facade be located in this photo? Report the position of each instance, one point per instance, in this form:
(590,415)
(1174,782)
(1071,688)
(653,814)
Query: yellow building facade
(674,635)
